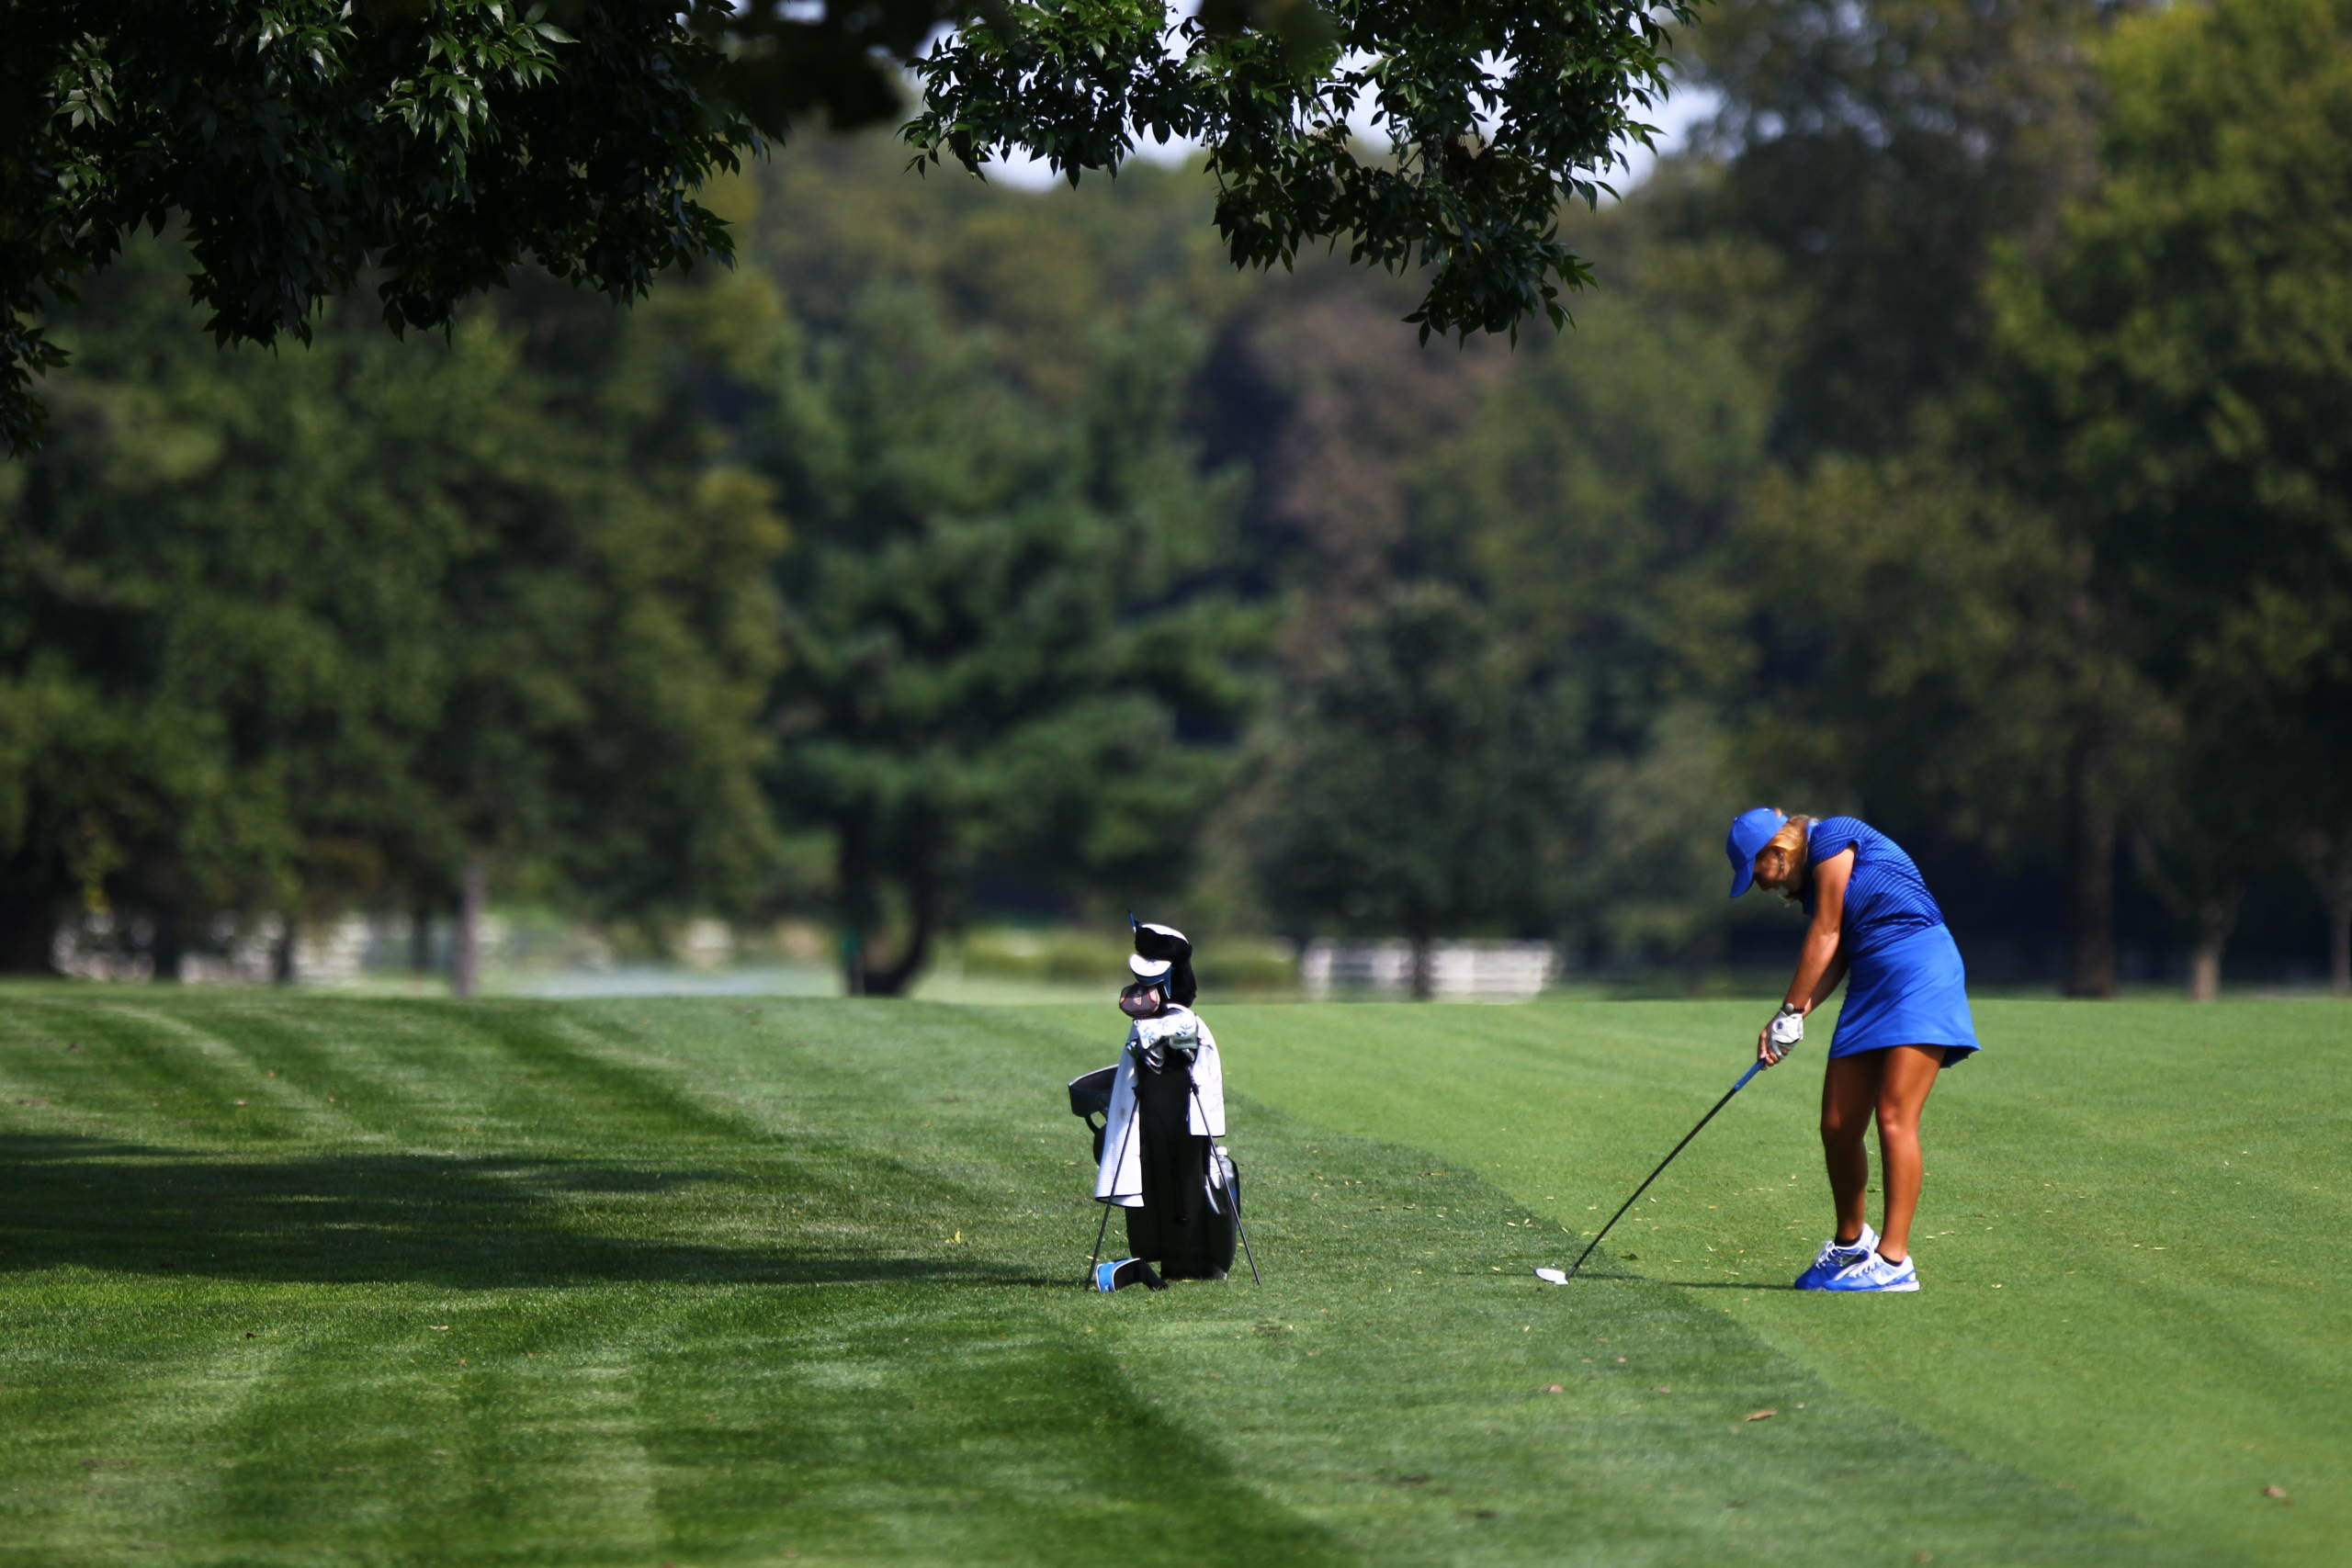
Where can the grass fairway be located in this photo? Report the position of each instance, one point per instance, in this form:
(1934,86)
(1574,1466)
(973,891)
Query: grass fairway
(302,1280)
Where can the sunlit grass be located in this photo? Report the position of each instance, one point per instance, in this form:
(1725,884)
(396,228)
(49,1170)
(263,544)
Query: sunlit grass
(295,1280)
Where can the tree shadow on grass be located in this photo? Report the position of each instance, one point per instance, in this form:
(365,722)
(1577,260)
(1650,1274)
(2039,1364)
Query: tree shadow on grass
(468,1221)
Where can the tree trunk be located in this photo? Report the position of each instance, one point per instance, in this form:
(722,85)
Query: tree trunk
(852,956)
(28,937)
(2214,917)
(1424,966)
(465,953)
(923,898)
(2205,972)
(420,939)
(168,948)
(854,870)
(282,954)
(2090,878)
(2327,861)
(2339,948)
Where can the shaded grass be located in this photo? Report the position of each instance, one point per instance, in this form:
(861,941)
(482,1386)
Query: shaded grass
(708,1282)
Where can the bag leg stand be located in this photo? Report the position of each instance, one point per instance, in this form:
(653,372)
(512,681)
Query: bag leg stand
(1246,1252)
(1100,1232)
(1104,1228)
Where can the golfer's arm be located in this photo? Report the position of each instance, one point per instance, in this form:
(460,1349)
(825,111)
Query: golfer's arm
(1821,962)
(1831,979)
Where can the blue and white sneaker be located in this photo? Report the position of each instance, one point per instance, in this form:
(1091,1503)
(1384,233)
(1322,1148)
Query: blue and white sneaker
(1835,1256)
(1875,1273)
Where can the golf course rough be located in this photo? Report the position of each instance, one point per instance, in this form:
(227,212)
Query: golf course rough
(294,1280)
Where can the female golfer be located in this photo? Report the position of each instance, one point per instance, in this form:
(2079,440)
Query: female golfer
(1905,1019)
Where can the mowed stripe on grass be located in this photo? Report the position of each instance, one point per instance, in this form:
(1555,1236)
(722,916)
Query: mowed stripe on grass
(2133,1244)
(706,1283)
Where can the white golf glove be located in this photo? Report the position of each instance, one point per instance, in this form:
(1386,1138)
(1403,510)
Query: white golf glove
(1786,1029)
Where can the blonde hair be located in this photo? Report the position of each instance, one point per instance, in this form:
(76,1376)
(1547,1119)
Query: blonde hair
(1794,842)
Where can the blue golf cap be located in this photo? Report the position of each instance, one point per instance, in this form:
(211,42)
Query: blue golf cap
(1750,831)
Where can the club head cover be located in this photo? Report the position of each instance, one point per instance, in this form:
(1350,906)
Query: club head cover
(1166,945)
(1120,1272)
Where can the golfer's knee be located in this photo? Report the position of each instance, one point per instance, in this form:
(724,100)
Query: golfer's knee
(1840,1130)
(1896,1122)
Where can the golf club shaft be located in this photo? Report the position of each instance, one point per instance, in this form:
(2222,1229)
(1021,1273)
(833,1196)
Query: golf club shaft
(1653,1176)
(1232,1194)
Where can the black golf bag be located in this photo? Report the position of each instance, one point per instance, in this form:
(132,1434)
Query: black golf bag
(1189,1221)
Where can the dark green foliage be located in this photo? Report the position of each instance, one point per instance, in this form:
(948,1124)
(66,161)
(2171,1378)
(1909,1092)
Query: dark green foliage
(1802,512)
(298,141)
(1002,641)
(2187,341)
(1882,152)
(1587,497)
(1589,493)
(285,634)
(1499,113)
(2175,371)
(1421,780)
(302,141)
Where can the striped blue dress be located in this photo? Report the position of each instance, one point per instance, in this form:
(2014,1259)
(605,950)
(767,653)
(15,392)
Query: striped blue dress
(1904,981)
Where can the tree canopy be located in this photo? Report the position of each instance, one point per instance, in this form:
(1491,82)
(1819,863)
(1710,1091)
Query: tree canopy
(1005,646)
(2181,358)
(915,570)
(277,636)
(431,149)
(1420,781)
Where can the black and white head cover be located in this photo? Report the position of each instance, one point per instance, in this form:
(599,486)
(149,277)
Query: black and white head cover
(1166,945)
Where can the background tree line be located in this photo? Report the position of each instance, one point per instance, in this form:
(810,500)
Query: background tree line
(1952,438)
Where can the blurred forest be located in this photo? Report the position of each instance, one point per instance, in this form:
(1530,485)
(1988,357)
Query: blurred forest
(1955,438)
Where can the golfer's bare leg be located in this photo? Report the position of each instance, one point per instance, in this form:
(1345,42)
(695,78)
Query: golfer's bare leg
(1909,1073)
(1849,1092)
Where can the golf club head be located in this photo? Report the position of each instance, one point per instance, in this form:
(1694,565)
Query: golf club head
(1552,1275)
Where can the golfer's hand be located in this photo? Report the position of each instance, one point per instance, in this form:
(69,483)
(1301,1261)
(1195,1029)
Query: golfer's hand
(1779,1037)
(1765,1051)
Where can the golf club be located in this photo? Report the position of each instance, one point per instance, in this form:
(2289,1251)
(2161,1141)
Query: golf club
(1555,1276)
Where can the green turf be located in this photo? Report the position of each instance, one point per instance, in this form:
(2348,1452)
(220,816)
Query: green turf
(736,1282)
(2132,1242)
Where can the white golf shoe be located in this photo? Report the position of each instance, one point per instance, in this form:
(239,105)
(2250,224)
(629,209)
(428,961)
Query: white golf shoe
(1835,1256)
(1874,1273)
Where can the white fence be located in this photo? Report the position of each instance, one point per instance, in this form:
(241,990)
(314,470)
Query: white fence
(98,948)
(1461,971)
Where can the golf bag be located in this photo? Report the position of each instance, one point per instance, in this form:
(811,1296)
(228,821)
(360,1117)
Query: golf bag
(1188,1220)
(1162,1110)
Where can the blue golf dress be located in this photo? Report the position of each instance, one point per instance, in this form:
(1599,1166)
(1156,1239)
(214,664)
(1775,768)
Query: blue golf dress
(1904,981)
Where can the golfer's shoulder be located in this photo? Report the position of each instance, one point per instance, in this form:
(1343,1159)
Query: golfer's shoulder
(1836,835)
